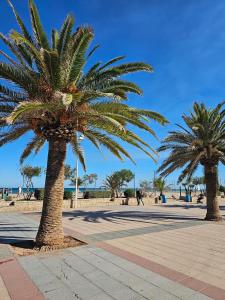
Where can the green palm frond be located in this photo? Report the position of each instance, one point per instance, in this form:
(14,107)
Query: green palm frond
(82,40)
(92,51)
(114,147)
(78,150)
(34,145)
(110,62)
(13,135)
(27,107)
(12,95)
(37,26)
(21,23)
(62,39)
(16,75)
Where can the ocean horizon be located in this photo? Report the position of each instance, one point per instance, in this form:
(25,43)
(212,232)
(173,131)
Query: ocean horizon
(14,190)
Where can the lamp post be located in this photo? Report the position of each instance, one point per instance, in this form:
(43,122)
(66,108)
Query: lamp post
(80,138)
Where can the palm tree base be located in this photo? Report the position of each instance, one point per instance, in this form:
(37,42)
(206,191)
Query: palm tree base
(52,242)
(213,217)
(66,242)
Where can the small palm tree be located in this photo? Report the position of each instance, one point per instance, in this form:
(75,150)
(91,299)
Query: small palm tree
(201,142)
(112,183)
(49,93)
(93,178)
(160,185)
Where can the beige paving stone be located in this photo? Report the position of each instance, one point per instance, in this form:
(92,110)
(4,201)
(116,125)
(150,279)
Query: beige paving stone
(3,291)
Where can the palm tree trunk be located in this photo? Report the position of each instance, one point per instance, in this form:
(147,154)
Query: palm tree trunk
(213,210)
(50,230)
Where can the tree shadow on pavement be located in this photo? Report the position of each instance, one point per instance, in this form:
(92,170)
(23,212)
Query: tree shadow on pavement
(132,216)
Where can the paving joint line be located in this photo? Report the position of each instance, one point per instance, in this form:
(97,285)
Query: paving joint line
(110,235)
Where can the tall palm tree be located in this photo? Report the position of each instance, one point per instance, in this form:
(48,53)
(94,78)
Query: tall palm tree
(49,93)
(201,142)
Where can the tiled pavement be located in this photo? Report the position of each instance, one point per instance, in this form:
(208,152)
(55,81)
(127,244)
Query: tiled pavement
(133,253)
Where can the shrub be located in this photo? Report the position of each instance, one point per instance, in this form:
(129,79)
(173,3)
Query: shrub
(9,198)
(39,194)
(68,195)
(129,193)
(97,194)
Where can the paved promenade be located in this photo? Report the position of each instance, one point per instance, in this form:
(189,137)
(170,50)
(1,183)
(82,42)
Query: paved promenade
(152,252)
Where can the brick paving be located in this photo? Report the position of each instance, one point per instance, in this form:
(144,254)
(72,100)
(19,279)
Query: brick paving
(151,252)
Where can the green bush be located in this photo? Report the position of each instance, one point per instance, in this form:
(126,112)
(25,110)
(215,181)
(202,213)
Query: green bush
(129,193)
(68,195)
(39,194)
(97,194)
(9,198)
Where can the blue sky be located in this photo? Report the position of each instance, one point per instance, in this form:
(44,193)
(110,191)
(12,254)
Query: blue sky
(183,40)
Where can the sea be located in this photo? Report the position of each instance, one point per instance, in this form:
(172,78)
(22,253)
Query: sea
(15,190)
(81,189)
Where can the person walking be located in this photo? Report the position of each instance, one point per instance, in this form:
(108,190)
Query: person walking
(138,197)
(141,196)
(19,192)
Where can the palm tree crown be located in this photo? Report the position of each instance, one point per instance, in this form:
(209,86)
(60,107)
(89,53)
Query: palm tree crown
(202,141)
(55,98)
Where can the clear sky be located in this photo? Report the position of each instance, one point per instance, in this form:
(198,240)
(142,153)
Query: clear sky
(183,40)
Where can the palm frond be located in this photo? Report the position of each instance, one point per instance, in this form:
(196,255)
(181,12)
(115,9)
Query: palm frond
(37,26)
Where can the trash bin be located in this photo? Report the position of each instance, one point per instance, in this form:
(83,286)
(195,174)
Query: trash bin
(188,198)
(164,200)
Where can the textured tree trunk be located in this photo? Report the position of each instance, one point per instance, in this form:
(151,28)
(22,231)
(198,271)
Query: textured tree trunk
(50,230)
(113,195)
(213,210)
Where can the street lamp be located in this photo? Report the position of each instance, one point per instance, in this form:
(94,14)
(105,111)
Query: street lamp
(80,138)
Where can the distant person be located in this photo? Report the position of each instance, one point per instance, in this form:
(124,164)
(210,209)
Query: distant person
(200,198)
(19,191)
(139,197)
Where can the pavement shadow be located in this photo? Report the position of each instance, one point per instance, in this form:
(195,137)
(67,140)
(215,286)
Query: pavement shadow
(12,239)
(133,216)
(17,231)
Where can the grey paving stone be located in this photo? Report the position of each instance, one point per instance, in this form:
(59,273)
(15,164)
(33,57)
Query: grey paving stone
(125,294)
(5,252)
(98,262)
(152,292)
(143,230)
(104,281)
(101,296)
(198,296)
(74,281)
(78,264)
(36,270)
(59,294)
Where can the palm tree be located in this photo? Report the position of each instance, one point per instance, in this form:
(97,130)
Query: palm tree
(93,178)
(49,93)
(201,142)
(160,185)
(112,183)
